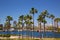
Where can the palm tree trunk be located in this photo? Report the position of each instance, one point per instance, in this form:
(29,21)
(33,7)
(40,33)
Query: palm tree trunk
(33,28)
(26,31)
(19,33)
(9,28)
(44,30)
(40,30)
(57,25)
(22,30)
(52,26)
(9,25)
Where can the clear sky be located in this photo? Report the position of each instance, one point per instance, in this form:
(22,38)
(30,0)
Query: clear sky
(15,8)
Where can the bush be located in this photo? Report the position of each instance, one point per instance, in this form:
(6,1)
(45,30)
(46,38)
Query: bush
(36,39)
(0,35)
(5,35)
(58,29)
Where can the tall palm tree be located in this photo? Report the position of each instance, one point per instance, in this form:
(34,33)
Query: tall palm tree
(40,19)
(44,21)
(9,18)
(52,18)
(57,20)
(44,15)
(27,19)
(21,18)
(33,11)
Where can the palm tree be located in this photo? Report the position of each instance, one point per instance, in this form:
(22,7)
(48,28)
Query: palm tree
(52,18)
(40,19)
(15,24)
(57,20)
(9,18)
(44,21)
(33,11)
(19,24)
(30,24)
(27,19)
(21,18)
(6,25)
(44,15)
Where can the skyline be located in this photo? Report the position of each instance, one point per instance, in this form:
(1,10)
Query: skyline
(15,8)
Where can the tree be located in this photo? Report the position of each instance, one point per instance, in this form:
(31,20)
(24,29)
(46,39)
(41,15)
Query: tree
(19,24)
(27,19)
(21,18)
(44,21)
(6,25)
(44,15)
(15,24)
(57,20)
(8,19)
(40,19)
(1,26)
(52,18)
(33,11)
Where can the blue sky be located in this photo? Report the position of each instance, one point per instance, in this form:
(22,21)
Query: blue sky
(15,8)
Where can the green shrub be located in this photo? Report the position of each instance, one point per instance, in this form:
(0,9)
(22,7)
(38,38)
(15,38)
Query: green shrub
(0,35)
(5,35)
(36,39)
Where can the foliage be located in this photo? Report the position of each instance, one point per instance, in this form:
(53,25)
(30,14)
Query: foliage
(4,35)
(58,29)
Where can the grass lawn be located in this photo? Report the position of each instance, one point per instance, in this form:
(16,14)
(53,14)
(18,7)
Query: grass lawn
(34,39)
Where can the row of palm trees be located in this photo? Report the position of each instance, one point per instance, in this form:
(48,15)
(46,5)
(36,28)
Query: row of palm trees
(28,20)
